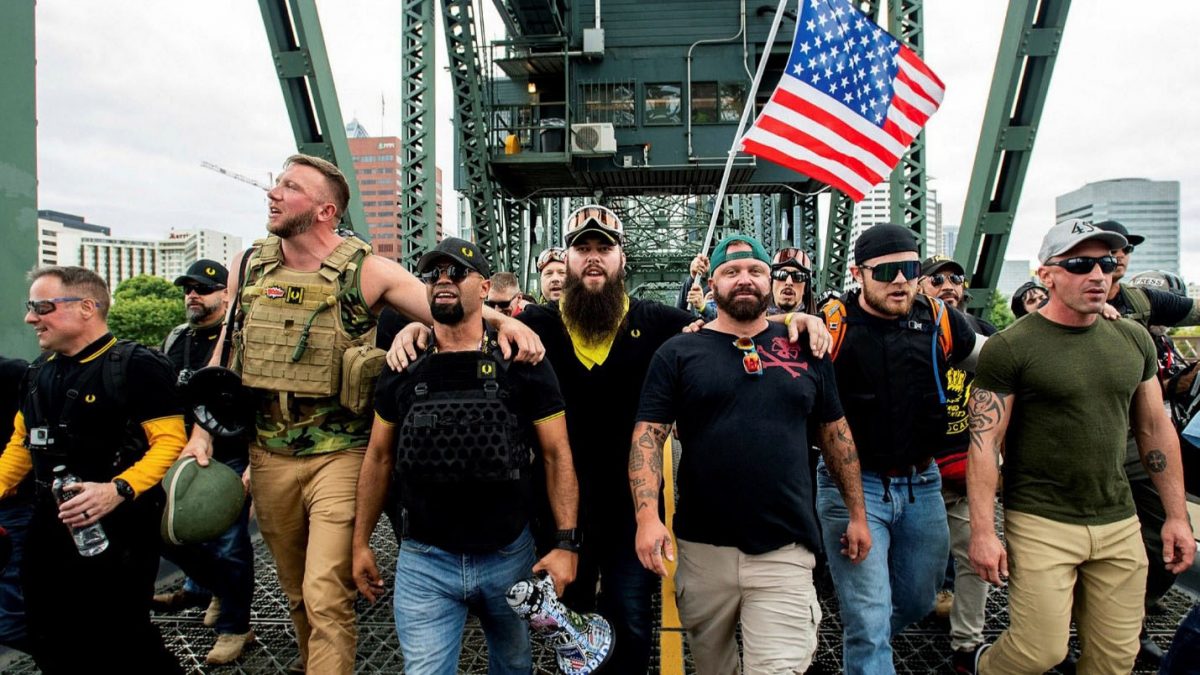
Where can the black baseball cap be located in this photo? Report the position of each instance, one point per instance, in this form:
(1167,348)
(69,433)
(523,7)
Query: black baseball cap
(206,273)
(1114,226)
(937,263)
(460,251)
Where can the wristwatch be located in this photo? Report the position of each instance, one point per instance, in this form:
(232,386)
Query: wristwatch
(124,489)
(568,540)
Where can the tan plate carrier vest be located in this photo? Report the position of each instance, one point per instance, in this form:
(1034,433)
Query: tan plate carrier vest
(292,339)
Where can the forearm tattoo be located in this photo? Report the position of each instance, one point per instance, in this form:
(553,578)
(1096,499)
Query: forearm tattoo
(987,410)
(646,454)
(841,460)
(1156,461)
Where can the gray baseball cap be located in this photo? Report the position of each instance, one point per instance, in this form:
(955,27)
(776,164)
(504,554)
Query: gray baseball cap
(1070,233)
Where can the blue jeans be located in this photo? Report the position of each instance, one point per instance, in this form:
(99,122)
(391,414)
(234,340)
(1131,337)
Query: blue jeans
(1184,656)
(896,585)
(15,514)
(224,567)
(436,588)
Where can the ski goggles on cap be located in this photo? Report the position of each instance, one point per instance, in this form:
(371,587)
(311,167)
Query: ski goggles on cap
(593,218)
(1083,264)
(795,256)
(887,272)
(550,255)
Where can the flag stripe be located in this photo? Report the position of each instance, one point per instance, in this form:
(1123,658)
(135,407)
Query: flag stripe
(782,131)
(809,118)
(903,114)
(913,98)
(807,168)
(932,83)
(835,110)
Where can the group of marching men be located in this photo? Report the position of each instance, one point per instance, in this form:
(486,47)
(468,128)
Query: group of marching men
(507,439)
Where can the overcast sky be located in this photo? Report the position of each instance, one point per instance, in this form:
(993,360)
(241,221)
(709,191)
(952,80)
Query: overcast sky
(132,96)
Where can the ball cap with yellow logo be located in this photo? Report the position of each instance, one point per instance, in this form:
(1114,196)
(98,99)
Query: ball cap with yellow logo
(460,251)
(207,273)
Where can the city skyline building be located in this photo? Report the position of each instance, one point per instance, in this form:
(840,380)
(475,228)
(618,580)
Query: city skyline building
(67,239)
(377,169)
(1149,208)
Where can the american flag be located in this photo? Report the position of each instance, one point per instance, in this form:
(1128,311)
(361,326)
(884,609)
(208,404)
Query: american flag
(850,101)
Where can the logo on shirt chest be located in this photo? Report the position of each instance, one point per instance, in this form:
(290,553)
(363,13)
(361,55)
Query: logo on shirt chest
(786,355)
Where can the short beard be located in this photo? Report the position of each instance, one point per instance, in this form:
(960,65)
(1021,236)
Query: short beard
(293,225)
(447,315)
(594,314)
(742,310)
(879,302)
(197,316)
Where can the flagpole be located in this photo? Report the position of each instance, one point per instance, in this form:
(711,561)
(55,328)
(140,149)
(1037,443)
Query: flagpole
(737,137)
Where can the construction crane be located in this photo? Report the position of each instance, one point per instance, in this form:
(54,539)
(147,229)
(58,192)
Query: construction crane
(236,176)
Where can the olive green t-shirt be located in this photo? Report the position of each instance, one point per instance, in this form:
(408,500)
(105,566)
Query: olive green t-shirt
(1072,389)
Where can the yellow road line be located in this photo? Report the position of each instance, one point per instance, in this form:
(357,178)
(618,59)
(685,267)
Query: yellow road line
(670,638)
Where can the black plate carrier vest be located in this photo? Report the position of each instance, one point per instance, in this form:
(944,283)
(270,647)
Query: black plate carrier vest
(458,423)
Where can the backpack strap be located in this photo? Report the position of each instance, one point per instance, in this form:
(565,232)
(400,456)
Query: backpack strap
(116,371)
(173,337)
(1139,304)
(834,312)
(235,306)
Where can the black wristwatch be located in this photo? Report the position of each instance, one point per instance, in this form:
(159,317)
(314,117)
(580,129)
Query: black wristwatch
(124,489)
(568,540)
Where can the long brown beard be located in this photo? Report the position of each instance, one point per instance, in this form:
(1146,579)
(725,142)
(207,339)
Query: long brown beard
(595,315)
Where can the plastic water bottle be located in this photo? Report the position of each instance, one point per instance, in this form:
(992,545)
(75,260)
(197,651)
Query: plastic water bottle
(90,540)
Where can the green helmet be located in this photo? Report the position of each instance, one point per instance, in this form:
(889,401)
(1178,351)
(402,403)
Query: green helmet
(202,501)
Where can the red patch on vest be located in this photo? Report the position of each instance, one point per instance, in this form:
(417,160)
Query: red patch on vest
(274,292)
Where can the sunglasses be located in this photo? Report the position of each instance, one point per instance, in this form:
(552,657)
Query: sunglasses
(550,255)
(887,272)
(939,279)
(200,290)
(455,273)
(1128,249)
(1084,264)
(751,362)
(499,304)
(44,307)
(797,276)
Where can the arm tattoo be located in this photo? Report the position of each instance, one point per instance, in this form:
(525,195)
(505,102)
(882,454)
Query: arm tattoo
(646,457)
(986,411)
(841,460)
(1156,461)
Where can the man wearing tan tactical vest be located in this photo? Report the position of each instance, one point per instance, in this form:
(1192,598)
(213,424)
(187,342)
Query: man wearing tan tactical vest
(303,329)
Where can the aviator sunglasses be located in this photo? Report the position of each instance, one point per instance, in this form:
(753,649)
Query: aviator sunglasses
(455,273)
(499,304)
(751,362)
(939,279)
(1084,264)
(886,272)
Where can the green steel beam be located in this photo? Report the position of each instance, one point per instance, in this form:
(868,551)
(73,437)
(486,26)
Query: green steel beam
(908,179)
(418,187)
(298,50)
(470,125)
(18,172)
(1028,48)
(838,228)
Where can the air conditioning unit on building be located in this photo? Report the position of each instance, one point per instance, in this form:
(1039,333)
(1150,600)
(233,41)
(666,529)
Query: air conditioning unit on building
(593,138)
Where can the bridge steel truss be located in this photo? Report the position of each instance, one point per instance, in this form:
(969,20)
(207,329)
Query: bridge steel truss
(302,64)
(1028,48)
(418,135)
(908,180)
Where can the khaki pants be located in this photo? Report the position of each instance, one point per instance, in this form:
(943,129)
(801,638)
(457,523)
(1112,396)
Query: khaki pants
(1099,571)
(305,509)
(967,615)
(773,596)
